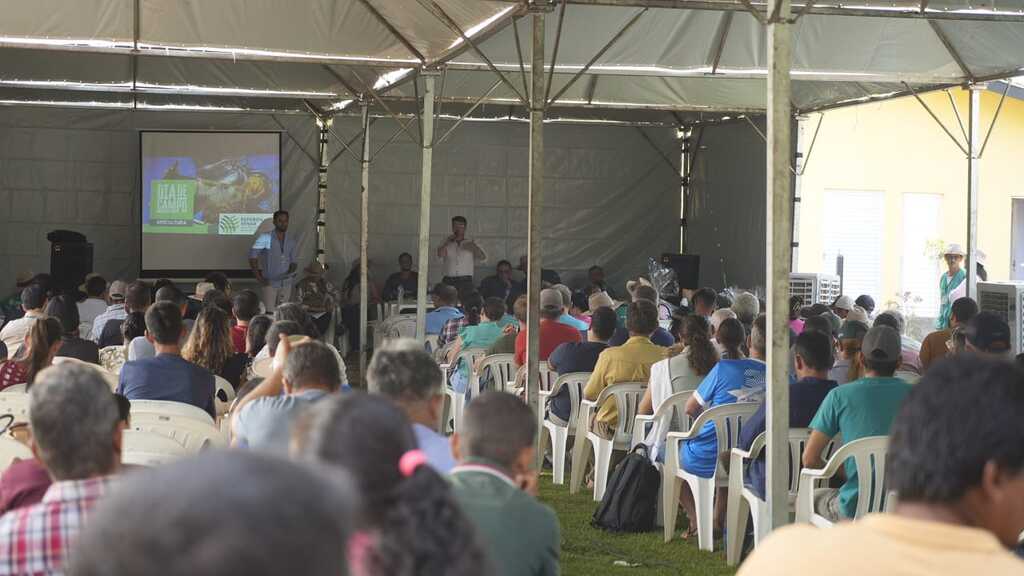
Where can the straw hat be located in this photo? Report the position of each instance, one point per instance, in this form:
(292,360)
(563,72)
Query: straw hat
(954,249)
(632,285)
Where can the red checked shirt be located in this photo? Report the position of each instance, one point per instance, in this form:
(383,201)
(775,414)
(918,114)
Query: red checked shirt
(450,331)
(35,539)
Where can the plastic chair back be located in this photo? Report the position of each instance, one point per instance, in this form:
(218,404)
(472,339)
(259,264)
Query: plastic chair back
(110,378)
(15,404)
(869,456)
(191,434)
(402,326)
(627,396)
(223,395)
(728,420)
(15,389)
(575,381)
(501,367)
(11,449)
(176,409)
(145,448)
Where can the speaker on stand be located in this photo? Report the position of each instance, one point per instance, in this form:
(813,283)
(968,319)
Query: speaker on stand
(70,259)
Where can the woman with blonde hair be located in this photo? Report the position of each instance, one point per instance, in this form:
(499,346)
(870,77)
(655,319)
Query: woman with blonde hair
(41,344)
(210,346)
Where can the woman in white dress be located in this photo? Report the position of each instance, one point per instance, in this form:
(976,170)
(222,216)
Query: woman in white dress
(688,362)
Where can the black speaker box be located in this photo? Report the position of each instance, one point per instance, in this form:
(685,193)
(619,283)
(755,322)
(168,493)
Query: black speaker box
(687,267)
(69,264)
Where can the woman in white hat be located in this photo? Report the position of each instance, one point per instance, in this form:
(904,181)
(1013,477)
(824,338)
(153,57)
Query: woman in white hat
(952,284)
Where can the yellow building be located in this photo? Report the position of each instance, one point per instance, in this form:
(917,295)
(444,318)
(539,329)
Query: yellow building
(886,187)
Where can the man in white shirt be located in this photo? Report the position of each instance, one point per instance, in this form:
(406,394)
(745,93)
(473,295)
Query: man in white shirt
(95,288)
(33,300)
(115,310)
(458,255)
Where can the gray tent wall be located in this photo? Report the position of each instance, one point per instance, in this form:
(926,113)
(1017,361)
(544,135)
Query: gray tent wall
(78,170)
(610,198)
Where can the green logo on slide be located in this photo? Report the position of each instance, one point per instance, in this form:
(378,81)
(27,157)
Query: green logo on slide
(172,202)
(241,224)
(229,224)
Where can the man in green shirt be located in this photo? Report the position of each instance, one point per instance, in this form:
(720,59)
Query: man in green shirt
(862,408)
(495,485)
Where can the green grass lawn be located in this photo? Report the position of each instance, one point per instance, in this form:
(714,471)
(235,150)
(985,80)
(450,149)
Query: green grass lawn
(587,550)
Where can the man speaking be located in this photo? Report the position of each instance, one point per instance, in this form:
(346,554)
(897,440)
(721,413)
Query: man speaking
(458,255)
(272,260)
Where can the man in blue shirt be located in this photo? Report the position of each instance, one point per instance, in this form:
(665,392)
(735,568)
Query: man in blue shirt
(167,376)
(566,318)
(304,374)
(272,260)
(862,408)
(571,357)
(700,455)
(445,298)
(813,356)
(407,375)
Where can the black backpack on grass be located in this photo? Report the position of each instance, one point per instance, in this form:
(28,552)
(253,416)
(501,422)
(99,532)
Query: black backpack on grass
(631,498)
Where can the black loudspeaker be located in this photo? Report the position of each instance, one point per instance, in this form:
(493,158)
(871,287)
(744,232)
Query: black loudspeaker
(69,264)
(687,267)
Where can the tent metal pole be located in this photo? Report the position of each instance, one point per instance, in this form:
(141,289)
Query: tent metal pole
(425,182)
(799,161)
(469,112)
(364,233)
(779,227)
(973,182)
(995,117)
(533,241)
(937,121)
(324,125)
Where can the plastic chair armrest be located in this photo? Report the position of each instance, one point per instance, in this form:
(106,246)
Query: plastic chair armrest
(640,430)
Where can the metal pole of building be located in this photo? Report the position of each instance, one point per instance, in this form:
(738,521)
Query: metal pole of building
(536,198)
(364,233)
(324,161)
(779,228)
(973,164)
(425,182)
(798,165)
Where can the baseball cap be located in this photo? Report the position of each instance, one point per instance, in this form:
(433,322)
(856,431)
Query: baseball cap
(882,343)
(857,313)
(24,278)
(988,332)
(853,330)
(843,302)
(600,300)
(550,300)
(866,302)
(565,292)
(117,289)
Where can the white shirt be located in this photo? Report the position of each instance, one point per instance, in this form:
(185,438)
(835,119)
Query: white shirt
(13,334)
(89,309)
(459,261)
(669,376)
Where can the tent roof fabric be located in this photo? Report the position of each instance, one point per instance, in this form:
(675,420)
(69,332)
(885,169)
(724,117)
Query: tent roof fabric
(685,59)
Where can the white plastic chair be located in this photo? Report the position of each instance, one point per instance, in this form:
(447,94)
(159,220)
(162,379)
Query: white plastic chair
(743,500)
(402,326)
(559,435)
(145,448)
(671,414)
(11,449)
(15,404)
(191,434)
(544,386)
(457,400)
(627,397)
(869,455)
(177,409)
(728,420)
(501,367)
(221,385)
(15,389)
(110,378)
(431,343)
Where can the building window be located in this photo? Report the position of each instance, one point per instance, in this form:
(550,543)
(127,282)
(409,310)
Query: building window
(857,224)
(921,240)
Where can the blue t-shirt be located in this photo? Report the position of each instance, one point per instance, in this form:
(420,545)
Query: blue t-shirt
(805,397)
(700,455)
(265,423)
(575,323)
(567,358)
(862,408)
(167,377)
(437,318)
(435,447)
(661,337)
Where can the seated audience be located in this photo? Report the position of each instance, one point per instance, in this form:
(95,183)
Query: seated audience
(317,295)
(209,346)
(630,362)
(937,344)
(703,303)
(41,344)
(137,297)
(729,339)
(220,282)
(501,284)
(410,377)
(716,319)
(848,365)
(700,455)
(960,479)
(410,520)
(813,351)
(65,310)
(548,277)
(406,278)
(866,302)
(796,323)
(552,333)
(256,335)
(95,303)
(303,376)
(76,434)
(685,368)
(244,307)
(572,357)
(506,343)
(445,298)
(139,347)
(472,307)
(747,307)
(218,299)
(988,334)
(660,336)
(910,362)
(195,301)
(496,485)
(167,376)
(283,518)
(580,308)
(567,318)
(483,335)
(112,358)
(10,307)
(842,306)
(862,408)
(33,302)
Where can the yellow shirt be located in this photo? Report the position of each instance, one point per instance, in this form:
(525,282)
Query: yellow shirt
(630,362)
(882,544)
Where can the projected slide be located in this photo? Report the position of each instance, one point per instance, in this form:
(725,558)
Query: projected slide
(217,188)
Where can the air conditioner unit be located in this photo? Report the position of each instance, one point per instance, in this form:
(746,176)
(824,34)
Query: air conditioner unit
(815,288)
(1007,300)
